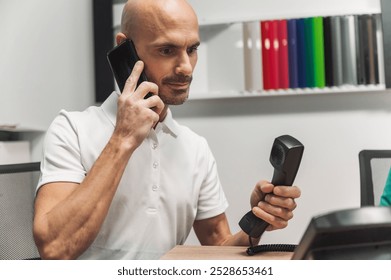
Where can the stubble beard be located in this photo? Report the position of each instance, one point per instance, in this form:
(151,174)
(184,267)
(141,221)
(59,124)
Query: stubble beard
(175,97)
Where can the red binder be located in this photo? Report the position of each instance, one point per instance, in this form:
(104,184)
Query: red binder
(283,54)
(270,59)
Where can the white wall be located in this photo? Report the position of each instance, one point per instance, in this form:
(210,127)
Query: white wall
(54,69)
(46,54)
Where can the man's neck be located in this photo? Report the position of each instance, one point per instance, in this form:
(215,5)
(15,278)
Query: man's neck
(163,114)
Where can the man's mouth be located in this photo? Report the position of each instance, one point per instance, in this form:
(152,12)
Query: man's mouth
(178,85)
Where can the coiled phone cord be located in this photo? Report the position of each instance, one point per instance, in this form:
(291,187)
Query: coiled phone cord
(252,250)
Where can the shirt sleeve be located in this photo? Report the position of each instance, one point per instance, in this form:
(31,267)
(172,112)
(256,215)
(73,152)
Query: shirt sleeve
(61,159)
(212,200)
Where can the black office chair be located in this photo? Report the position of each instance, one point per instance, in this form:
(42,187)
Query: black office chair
(17,191)
(374,168)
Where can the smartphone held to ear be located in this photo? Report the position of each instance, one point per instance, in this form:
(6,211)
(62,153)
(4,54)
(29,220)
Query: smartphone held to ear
(122,59)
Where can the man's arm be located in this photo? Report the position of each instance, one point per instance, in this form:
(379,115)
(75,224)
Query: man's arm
(68,216)
(215,231)
(276,209)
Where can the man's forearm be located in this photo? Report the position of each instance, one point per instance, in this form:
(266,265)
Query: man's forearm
(240,239)
(69,228)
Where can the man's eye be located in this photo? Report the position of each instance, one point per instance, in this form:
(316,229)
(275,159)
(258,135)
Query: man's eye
(166,51)
(192,50)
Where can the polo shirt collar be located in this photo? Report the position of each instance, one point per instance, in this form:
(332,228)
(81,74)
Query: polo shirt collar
(109,107)
(170,124)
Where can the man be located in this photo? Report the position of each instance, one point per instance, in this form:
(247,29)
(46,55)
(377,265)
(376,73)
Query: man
(124,180)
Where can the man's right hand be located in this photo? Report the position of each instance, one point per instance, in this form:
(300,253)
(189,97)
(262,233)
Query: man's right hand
(136,116)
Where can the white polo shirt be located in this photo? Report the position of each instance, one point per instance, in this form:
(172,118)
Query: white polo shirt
(170,181)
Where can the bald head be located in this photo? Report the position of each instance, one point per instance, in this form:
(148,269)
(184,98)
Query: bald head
(166,37)
(140,16)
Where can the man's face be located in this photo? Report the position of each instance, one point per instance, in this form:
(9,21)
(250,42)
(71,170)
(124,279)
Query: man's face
(169,51)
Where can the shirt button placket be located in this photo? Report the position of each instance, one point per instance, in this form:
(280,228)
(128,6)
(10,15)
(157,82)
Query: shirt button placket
(155,171)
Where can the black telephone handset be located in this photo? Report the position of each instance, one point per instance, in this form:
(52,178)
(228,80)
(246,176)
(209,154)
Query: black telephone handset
(122,59)
(285,157)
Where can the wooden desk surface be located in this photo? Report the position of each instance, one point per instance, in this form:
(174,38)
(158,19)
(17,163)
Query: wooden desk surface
(185,252)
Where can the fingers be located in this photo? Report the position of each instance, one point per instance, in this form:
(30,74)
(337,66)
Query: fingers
(155,104)
(131,81)
(286,191)
(281,202)
(265,186)
(283,196)
(277,217)
(277,205)
(131,89)
(144,89)
(260,189)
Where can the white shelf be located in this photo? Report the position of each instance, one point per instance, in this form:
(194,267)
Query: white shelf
(17,128)
(287,92)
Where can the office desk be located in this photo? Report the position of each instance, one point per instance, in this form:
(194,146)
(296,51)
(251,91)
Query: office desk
(184,252)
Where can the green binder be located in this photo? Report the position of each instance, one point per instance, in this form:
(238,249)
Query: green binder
(309,52)
(318,50)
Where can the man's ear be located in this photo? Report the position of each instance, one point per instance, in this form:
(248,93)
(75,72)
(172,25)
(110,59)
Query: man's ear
(120,37)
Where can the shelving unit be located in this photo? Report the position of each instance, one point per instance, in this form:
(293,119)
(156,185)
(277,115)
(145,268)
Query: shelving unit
(288,92)
(15,143)
(228,69)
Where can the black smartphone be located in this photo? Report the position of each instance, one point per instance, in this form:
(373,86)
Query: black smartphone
(122,59)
